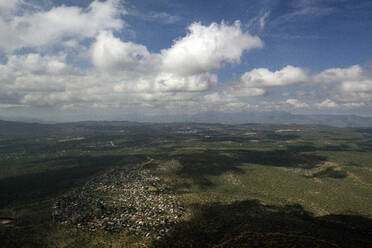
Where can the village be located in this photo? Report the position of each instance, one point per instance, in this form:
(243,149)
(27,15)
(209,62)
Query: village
(127,198)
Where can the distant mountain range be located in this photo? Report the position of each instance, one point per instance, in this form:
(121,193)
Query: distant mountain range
(285,118)
(265,117)
(208,117)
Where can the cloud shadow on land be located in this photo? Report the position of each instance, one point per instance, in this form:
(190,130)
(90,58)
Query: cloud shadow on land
(39,186)
(365,146)
(253,224)
(329,172)
(311,148)
(200,164)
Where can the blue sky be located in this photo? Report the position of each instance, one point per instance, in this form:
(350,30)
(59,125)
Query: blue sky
(72,60)
(329,28)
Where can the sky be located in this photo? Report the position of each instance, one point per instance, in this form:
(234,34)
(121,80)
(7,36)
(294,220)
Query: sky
(70,60)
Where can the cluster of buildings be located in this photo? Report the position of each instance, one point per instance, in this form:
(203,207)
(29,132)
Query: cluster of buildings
(122,198)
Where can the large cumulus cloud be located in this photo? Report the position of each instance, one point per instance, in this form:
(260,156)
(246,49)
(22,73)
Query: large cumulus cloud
(46,28)
(204,48)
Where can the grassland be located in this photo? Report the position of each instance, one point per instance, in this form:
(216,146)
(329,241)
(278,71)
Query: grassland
(242,185)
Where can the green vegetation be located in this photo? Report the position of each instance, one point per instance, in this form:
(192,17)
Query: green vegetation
(241,185)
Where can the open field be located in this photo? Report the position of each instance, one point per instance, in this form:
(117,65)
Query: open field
(233,185)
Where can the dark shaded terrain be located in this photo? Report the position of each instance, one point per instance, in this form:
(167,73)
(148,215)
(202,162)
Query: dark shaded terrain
(49,183)
(253,224)
(198,165)
(330,172)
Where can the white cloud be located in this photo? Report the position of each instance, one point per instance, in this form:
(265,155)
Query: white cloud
(220,101)
(297,104)
(263,18)
(8,6)
(161,17)
(6,75)
(354,104)
(43,28)
(37,64)
(240,90)
(213,98)
(339,74)
(312,7)
(32,74)
(327,104)
(110,53)
(353,85)
(172,82)
(168,82)
(164,17)
(357,86)
(7,106)
(262,77)
(206,47)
